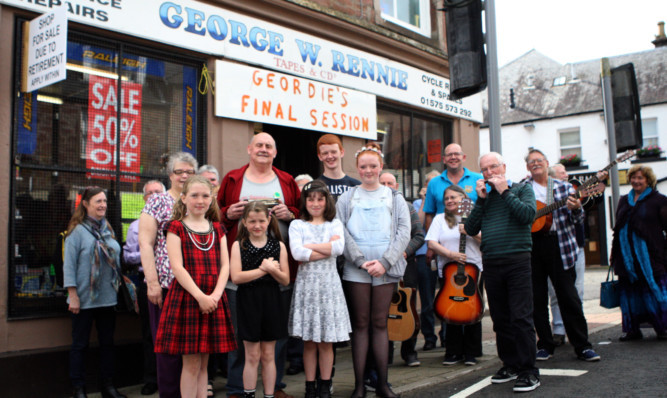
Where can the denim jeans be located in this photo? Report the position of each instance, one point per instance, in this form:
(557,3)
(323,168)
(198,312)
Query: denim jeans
(427,281)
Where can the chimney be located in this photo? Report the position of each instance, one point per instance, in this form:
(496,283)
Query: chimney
(660,38)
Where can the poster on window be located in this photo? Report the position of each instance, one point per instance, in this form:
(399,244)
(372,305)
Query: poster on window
(101,151)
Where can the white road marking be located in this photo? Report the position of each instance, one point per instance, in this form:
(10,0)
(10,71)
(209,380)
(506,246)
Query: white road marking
(473,388)
(562,372)
(543,372)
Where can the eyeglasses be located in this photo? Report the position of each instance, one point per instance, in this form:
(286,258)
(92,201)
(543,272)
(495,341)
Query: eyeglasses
(532,162)
(492,167)
(180,172)
(452,154)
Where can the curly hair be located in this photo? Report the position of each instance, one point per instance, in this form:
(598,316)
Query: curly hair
(646,171)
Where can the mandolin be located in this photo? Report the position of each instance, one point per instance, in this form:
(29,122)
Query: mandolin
(544,218)
(403,321)
(460,301)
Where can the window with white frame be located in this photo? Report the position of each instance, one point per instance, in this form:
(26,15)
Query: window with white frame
(570,142)
(410,14)
(649,132)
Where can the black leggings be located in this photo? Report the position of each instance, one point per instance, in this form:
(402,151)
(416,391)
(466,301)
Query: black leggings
(369,307)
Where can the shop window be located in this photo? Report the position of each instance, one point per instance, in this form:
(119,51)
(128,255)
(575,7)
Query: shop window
(412,145)
(410,14)
(110,124)
(570,142)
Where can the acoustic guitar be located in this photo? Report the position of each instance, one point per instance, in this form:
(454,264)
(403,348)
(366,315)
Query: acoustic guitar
(403,321)
(544,218)
(460,301)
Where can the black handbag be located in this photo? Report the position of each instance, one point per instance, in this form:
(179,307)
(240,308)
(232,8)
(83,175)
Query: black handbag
(610,295)
(127,296)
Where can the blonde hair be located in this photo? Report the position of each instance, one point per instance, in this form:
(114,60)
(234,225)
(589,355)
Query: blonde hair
(180,211)
(646,171)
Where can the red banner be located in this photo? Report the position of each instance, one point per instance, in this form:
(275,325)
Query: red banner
(433,148)
(103,125)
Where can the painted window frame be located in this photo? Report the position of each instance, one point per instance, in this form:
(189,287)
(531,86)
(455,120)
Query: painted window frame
(424,17)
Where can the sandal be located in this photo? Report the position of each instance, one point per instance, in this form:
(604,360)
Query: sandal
(209,389)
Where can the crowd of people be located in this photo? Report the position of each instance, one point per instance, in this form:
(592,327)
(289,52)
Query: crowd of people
(260,268)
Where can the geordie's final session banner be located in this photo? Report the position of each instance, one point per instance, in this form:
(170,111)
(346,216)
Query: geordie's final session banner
(256,94)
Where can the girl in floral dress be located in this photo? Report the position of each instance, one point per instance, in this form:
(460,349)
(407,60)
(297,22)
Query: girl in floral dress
(318,314)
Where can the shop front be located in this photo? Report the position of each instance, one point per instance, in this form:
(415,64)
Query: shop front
(139,86)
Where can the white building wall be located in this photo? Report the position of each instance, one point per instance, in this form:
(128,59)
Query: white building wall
(516,139)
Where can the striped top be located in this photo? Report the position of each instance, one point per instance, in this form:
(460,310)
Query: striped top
(504,220)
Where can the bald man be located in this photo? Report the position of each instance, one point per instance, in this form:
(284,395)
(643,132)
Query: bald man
(454,174)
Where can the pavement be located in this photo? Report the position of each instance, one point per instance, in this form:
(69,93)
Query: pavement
(431,371)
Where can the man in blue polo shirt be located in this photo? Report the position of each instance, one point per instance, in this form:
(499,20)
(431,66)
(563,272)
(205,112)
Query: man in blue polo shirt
(454,174)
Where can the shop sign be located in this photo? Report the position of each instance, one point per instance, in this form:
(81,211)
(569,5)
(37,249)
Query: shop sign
(44,50)
(261,95)
(27,123)
(101,150)
(93,56)
(189,110)
(213,30)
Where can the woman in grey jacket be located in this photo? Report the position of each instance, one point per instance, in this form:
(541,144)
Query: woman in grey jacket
(377,231)
(92,276)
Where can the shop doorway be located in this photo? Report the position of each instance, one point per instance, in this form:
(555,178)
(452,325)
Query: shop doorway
(596,236)
(297,150)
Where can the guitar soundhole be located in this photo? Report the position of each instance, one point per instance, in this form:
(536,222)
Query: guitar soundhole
(460,279)
(403,301)
(470,289)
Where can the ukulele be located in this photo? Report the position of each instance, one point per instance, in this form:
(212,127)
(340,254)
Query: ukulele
(403,321)
(544,218)
(460,301)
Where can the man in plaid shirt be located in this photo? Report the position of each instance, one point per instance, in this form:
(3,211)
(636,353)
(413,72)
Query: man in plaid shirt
(554,254)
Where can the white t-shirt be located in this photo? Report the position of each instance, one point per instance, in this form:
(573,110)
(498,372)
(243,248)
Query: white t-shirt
(540,192)
(449,238)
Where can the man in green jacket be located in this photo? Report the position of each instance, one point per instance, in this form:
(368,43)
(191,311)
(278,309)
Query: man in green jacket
(504,213)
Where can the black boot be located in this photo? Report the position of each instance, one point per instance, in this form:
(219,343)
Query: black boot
(109,391)
(311,390)
(324,389)
(79,392)
(249,394)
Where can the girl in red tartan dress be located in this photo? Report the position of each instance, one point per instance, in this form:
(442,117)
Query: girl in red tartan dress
(195,319)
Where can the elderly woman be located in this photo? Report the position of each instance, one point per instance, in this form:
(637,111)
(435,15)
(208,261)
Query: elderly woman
(154,259)
(639,255)
(377,231)
(92,276)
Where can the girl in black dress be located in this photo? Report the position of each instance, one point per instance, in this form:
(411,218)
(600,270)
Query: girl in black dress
(258,264)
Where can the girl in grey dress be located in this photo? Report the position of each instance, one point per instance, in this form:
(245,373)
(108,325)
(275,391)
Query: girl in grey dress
(318,314)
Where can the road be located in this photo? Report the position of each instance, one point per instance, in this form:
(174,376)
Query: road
(633,369)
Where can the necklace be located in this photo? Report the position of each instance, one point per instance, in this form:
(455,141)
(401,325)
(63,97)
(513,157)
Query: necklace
(210,237)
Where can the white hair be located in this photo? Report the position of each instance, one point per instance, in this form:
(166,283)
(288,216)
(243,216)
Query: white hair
(306,177)
(207,168)
(498,157)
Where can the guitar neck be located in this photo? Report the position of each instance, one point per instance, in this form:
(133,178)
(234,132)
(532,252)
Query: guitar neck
(549,208)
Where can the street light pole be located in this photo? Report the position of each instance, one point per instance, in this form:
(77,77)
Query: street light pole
(493,87)
(607,100)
